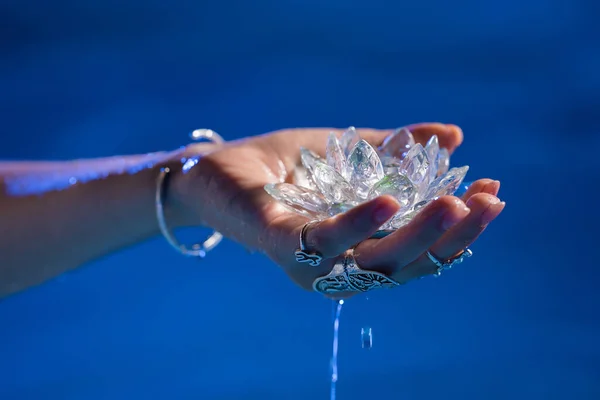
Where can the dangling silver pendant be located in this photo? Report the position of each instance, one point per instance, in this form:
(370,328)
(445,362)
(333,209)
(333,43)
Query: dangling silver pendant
(313,259)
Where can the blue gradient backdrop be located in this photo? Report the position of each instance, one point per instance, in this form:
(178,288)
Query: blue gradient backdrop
(520,320)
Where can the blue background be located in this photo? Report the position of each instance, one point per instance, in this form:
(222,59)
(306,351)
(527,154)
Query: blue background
(519,320)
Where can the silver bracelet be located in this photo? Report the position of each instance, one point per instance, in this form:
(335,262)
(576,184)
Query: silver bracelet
(200,249)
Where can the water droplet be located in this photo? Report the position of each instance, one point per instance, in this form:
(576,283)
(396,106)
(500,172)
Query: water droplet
(366,335)
(189,164)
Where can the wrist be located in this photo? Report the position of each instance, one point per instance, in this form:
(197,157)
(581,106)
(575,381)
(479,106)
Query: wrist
(186,186)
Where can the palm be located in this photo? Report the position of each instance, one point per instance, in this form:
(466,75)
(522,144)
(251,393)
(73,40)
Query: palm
(243,211)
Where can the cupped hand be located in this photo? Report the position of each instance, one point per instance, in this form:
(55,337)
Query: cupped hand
(225,191)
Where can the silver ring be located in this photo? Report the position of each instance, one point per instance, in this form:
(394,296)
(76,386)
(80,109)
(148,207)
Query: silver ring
(347,276)
(447,264)
(303,255)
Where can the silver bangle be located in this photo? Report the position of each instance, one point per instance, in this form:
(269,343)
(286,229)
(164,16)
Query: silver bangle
(200,249)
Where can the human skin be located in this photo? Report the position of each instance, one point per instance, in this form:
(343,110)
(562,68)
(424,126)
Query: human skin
(57,216)
(234,202)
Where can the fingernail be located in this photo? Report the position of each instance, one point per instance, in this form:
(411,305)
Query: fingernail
(451,218)
(496,187)
(492,211)
(490,199)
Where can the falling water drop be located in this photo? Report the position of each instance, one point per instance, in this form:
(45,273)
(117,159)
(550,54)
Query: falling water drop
(366,335)
(334,357)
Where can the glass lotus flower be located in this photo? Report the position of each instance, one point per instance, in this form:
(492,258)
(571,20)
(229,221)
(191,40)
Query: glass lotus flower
(354,172)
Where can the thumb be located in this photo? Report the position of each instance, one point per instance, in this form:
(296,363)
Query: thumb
(333,236)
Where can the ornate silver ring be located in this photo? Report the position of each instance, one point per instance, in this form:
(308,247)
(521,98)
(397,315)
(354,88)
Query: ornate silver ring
(443,265)
(347,276)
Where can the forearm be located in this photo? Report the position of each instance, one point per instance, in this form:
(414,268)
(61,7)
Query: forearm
(57,216)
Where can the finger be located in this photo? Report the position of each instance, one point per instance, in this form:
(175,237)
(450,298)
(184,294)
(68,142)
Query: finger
(330,237)
(489,186)
(333,236)
(280,239)
(449,136)
(409,242)
(484,209)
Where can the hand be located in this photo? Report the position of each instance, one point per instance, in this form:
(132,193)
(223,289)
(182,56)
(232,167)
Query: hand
(226,191)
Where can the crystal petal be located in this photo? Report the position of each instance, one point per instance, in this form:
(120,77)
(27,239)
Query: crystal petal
(331,184)
(348,140)
(398,186)
(387,226)
(336,158)
(301,200)
(443,161)
(447,184)
(339,208)
(416,165)
(420,204)
(391,165)
(302,178)
(309,159)
(402,219)
(398,143)
(432,148)
(365,168)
